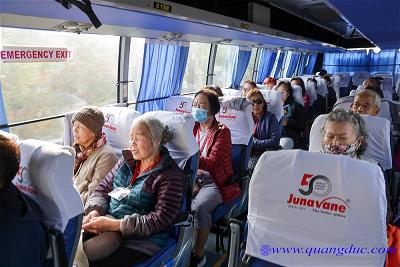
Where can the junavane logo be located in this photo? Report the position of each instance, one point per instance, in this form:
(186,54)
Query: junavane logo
(315,191)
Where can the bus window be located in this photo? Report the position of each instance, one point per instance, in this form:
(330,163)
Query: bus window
(34,90)
(196,67)
(223,68)
(248,75)
(135,67)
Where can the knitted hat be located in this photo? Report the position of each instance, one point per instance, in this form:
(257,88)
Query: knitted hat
(91,117)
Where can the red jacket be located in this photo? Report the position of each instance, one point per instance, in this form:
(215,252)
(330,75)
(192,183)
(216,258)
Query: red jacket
(218,161)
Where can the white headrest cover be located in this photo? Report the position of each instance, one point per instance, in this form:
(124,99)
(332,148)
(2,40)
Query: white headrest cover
(274,102)
(351,204)
(322,87)
(68,136)
(118,122)
(359,77)
(384,111)
(46,172)
(262,87)
(311,91)
(231,92)
(298,94)
(239,122)
(378,142)
(344,102)
(344,78)
(183,144)
(181,104)
(9,135)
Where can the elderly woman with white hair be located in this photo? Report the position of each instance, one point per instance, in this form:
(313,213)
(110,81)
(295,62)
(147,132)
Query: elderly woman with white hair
(129,215)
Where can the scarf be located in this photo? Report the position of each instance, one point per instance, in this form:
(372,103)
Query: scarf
(83,153)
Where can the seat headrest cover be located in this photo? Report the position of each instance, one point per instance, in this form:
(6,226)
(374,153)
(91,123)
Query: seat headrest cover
(298,94)
(300,199)
(45,175)
(181,104)
(274,102)
(359,77)
(322,87)
(118,122)
(236,114)
(183,144)
(344,78)
(311,91)
(231,92)
(378,141)
(9,135)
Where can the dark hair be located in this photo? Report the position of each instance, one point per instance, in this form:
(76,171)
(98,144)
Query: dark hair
(215,88)
(9,159)
(212,99)
(302,85)
(327,78)
(253,92)
(376,89)
(289,89)
(322,72)
(253,84)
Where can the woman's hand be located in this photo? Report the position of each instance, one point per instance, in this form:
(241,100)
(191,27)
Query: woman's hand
(91,215)
(100,224)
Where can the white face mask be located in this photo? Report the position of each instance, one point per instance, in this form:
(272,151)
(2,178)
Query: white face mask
(347,150)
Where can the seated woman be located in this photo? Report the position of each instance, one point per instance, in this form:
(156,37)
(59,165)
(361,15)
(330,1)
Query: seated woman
(267,130)
(215,167)
(295,118)
(21,229)
(131,211)
(217,90)
(248,85)
(270,82)
(345,133)
(94,157)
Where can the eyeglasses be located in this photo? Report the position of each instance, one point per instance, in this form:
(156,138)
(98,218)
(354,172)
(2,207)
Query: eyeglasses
(258,101)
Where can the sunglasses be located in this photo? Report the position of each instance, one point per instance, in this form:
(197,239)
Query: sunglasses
(257,101)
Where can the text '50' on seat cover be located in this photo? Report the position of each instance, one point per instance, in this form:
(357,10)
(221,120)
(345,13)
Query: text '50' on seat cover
(378,141)
(301,199)
(183,144)
(181,104)
(45,175)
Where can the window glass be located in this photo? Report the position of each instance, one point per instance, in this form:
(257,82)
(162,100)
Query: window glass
(39,89)
(223,67)
(135,67)
(248,75)
(196,68)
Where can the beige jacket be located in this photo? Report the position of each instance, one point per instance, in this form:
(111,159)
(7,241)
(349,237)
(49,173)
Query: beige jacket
(93,170)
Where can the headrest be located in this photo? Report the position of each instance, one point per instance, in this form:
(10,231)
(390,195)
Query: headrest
(274,102)
(181,104)
(262,87)
(311,91)
(387,85)
(298,94)
(45,175)
(10,135)
(344,102)
(236,114)
(118,121)
(231,92)
(322,87)
(344,78)
(378,142)
(183,144)
(295,196)
(336,85)
(359,77)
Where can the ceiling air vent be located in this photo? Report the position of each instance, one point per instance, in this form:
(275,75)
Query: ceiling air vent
(73,26)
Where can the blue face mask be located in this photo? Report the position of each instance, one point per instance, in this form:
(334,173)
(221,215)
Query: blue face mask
(199,114)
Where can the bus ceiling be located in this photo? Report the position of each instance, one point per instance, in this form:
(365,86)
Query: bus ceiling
(155,21)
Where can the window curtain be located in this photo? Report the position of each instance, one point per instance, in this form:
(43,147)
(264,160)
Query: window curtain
(3,117)
(302,63)
(347,62)
(384,61)
(240,65)
(311,63)
(164,64)
(294,60)
(265,65)
(279,64)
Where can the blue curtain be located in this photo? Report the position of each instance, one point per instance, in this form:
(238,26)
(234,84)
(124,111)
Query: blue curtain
(294,60)
(311,63)
(265,65)
(278,68)
(240,65)
(346,61)
(164,65)
(384,61)
(3,117)
(302,64)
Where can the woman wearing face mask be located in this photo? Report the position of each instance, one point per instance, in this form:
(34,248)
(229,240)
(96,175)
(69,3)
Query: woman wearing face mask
(215,167)
(345,133)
